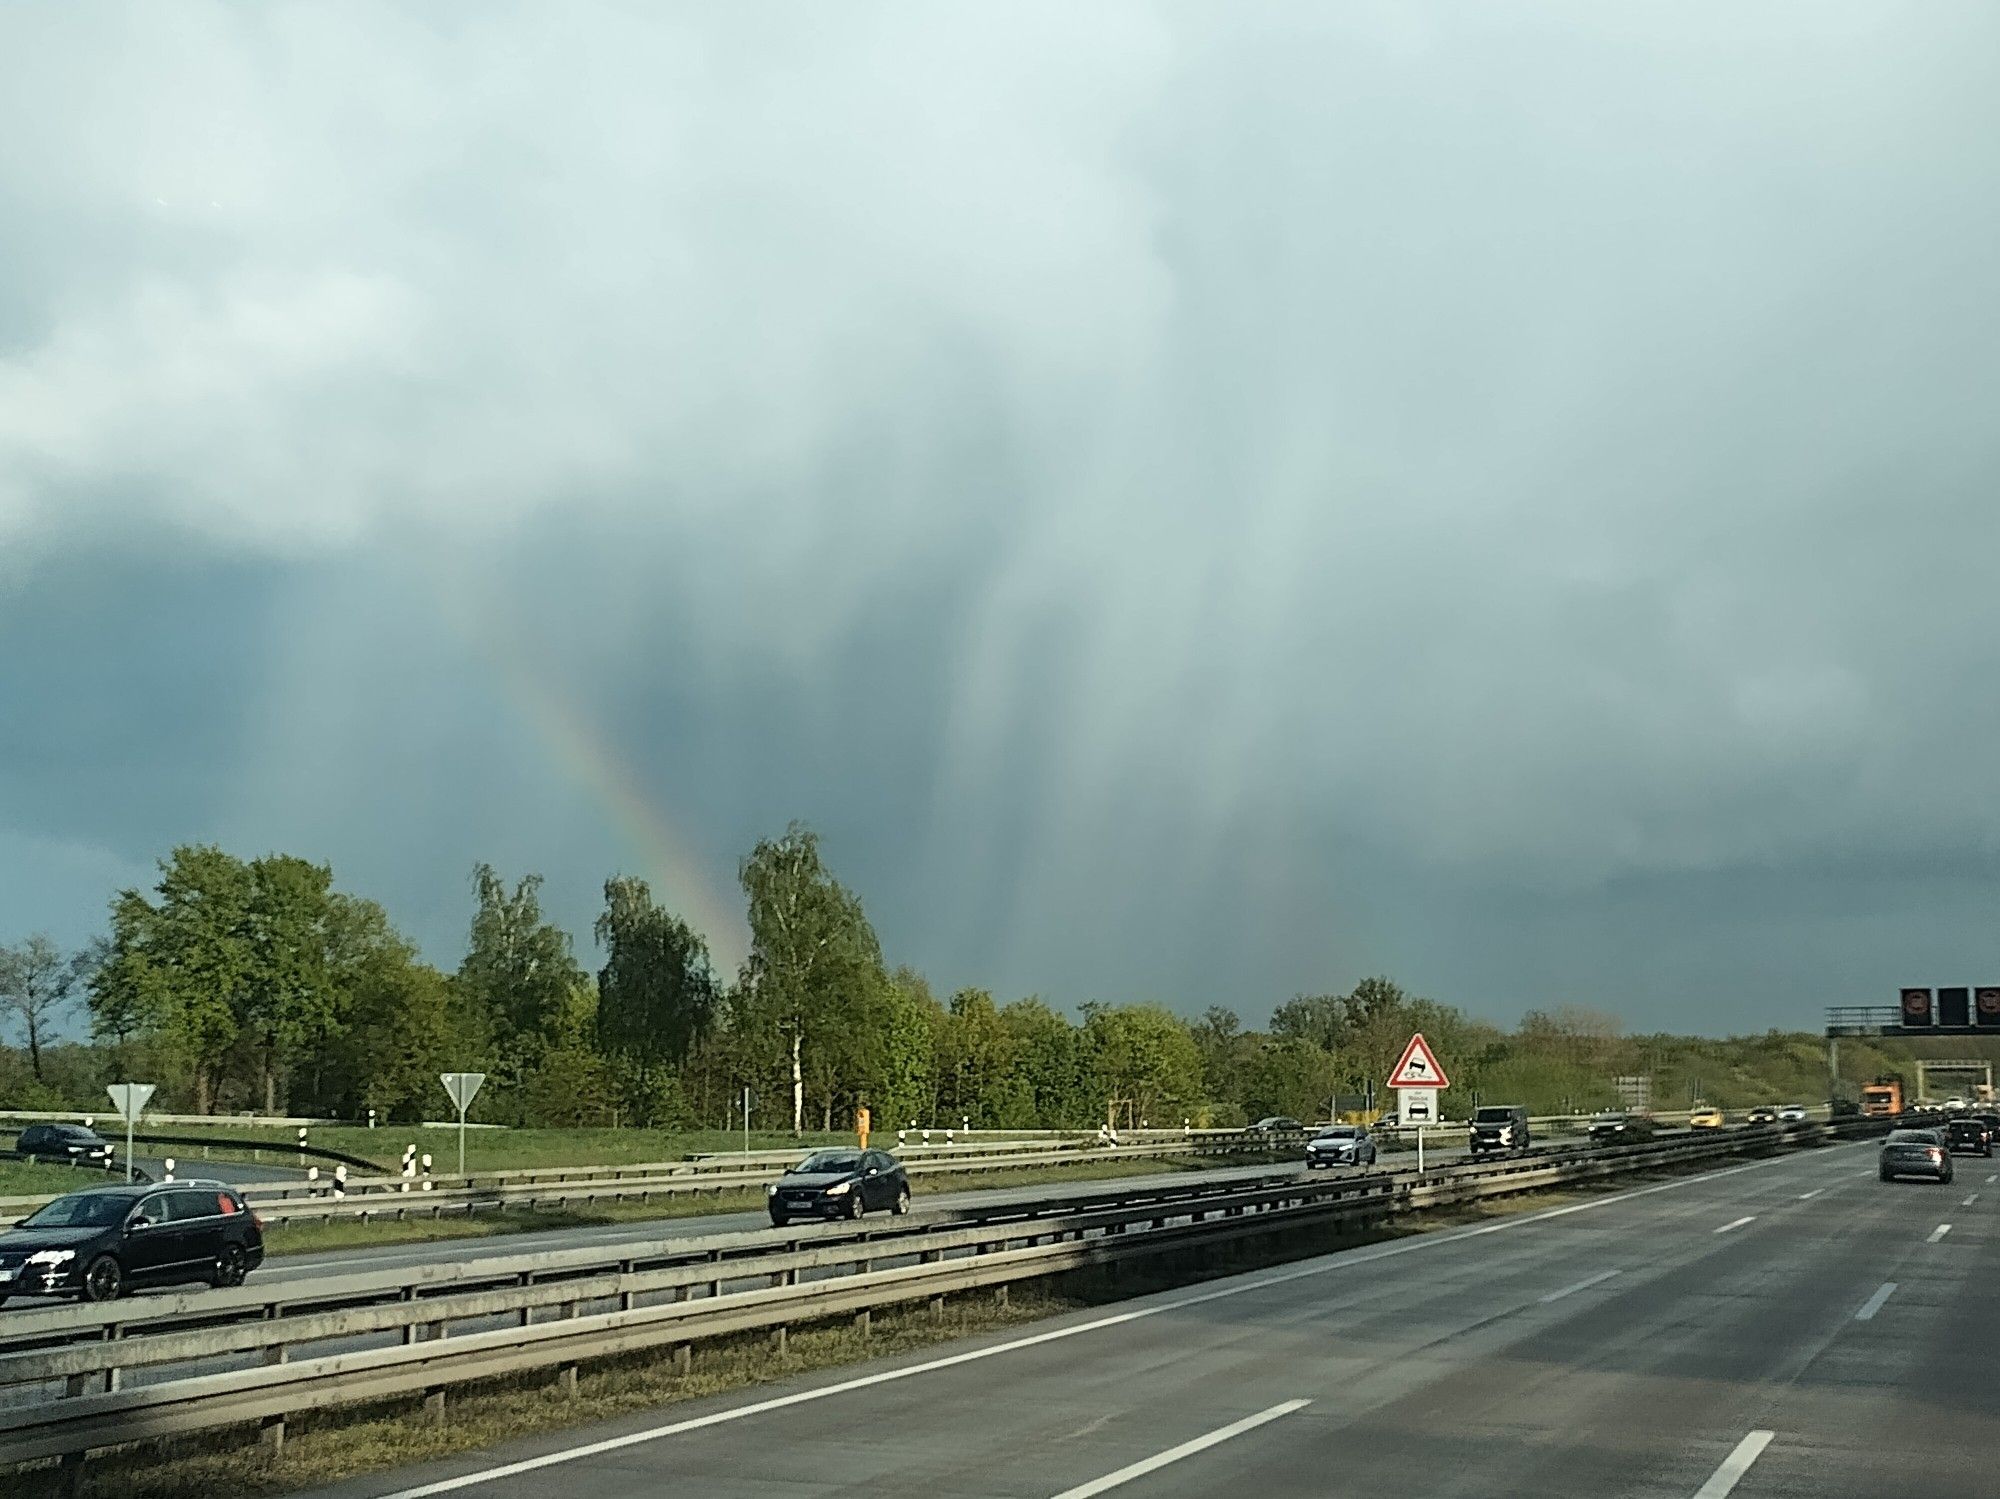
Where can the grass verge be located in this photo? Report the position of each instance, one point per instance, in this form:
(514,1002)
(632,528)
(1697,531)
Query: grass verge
(30,1178)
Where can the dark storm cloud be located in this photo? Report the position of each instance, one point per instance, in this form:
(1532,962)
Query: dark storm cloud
(1190,504)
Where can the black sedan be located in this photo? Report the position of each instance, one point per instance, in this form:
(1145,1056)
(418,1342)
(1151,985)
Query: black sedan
(63,1142)
(843,1183)
(1915,1152)
(1617,1129)
(1276,1124)
(103,1241)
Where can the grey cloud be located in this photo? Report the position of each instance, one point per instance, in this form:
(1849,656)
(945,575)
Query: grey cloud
(1192,503)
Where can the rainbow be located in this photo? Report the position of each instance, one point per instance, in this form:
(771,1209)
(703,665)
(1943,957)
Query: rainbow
(572,741)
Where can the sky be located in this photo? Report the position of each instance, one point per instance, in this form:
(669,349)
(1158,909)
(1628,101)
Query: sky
(1191,503)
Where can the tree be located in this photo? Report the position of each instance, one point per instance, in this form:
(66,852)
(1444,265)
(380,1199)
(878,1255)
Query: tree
(1143,1058)
(289,999)
(37,983)
(656,994)
(1318,1018)
(814,970)
(976,1058)
(405,1027)
(178,967)
(1050,1066)
(518,973)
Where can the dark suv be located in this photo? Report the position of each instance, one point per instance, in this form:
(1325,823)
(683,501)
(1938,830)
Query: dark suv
(99,1243)
(63,1142)
(1499,1128)
(1968,1137)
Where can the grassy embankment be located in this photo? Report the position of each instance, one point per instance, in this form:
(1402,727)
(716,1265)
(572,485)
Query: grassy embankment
(28,1178)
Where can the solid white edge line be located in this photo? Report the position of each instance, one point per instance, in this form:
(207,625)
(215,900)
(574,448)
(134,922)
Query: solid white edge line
(1583,1285)
(1874,1303)
(1186,1449)
(1749,1218)
(1734,1466)
(1327,1265)
(1938,1233)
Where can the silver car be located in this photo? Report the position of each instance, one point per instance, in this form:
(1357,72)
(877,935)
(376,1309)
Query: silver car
(1341,1145)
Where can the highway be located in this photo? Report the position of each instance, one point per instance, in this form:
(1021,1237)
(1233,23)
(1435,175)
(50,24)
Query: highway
(1782,1329)
(653,1230)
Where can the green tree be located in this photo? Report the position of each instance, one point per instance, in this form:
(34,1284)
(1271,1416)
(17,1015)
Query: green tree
(179,966)
(38,982)
(405,1027)
(814,973)
(519,973)
(656,994)
(976,1060)
(1050,1066)
(1143,1062)
(290,1003)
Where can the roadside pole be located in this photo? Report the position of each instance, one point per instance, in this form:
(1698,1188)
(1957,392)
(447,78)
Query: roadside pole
(748,1099)
(129,1099)
(463,1088)
(1420,1150)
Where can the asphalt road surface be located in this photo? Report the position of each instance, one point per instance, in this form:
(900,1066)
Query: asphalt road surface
(653,1230)
(1785,1329)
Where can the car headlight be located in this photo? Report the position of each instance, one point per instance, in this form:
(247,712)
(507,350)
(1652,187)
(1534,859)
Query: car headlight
(52,1256)
(771,1190)
(839,1189)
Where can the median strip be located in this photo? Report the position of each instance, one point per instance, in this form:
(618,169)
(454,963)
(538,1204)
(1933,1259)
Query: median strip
(1186,1449)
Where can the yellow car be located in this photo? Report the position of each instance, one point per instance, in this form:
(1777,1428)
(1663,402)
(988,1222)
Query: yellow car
(1705,1116)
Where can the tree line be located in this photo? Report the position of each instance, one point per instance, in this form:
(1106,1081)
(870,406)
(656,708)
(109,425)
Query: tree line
(257,984)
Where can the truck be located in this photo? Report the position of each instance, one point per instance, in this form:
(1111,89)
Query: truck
(1883,1098)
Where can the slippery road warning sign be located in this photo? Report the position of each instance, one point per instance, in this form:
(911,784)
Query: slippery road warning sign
(1419,1067)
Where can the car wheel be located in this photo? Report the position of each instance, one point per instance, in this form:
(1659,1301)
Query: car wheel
(103,1280)
(779,1220)
(230,1266)
(1886,1175)
(902,1202)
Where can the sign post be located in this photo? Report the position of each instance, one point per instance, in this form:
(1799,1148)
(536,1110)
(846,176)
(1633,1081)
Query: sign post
(463,1088)
(748,1099)
(1418,1079)
(129,1099)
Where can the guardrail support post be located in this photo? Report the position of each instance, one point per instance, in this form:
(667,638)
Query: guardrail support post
(683,1358)
(863,1322)
(271,1436)
(434,1406)
(778,1340)
(72,1475)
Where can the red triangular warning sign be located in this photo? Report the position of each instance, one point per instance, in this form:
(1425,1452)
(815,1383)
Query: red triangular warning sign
(1419,1067)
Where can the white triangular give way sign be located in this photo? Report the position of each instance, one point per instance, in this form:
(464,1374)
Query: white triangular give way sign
(1419,1067)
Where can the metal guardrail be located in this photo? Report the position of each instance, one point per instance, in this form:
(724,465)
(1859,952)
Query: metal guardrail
(396,1198)
(573,1306)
